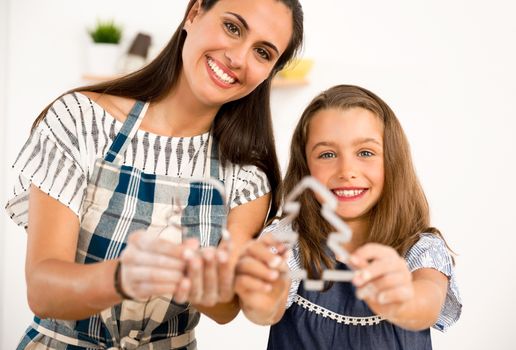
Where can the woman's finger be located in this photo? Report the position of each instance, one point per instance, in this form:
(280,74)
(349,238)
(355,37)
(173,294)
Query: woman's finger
(210,277)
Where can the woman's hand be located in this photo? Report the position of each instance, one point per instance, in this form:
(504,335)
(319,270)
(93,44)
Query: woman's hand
(262,281)
(152,266)
(383,279)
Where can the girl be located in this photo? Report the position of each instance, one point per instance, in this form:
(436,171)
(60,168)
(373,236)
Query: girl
(108,167)
(351,141)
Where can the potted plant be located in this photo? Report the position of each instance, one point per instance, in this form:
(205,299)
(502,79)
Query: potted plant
(104,48)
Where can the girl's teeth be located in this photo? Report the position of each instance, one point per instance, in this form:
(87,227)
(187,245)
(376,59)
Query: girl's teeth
(348,193)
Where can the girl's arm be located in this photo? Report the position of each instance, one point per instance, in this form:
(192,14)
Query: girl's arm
(57,287)
(244,222)
(409,300)
(262,282)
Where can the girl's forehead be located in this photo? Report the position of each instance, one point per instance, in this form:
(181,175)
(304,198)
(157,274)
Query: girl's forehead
(350,119)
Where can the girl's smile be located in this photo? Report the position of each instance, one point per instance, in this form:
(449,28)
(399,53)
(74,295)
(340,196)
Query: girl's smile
(349,193)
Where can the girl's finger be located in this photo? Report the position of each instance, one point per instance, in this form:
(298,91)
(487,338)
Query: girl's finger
(389,281)
(268,254)
(379,268)
(395,295)
(252,267)
(245,284)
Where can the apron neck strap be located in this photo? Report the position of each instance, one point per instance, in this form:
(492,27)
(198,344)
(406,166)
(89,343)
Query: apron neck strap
(126,133)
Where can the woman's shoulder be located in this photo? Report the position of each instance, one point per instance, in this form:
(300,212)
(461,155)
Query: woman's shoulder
(115,106)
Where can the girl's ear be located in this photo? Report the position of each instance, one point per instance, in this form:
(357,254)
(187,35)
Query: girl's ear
(192,14)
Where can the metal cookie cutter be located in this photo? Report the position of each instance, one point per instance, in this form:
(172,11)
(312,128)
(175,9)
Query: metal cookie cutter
(335,239)
(173,230)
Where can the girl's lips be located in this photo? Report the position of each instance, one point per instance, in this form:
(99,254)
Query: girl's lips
(349,194)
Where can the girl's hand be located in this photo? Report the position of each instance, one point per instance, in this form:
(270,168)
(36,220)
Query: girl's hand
(151,266)
(261,281)
(383,279)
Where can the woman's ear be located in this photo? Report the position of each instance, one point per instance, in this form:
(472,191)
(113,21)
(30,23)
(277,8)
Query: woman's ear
(192,14)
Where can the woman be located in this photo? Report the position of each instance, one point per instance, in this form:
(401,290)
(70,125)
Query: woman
(108,167)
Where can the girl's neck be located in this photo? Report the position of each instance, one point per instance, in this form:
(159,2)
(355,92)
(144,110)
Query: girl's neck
(359,229)
(180,114)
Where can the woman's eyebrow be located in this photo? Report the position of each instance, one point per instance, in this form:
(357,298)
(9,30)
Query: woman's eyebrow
(246,27)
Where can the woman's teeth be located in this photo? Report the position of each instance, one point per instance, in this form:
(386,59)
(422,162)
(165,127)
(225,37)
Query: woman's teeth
(220,73)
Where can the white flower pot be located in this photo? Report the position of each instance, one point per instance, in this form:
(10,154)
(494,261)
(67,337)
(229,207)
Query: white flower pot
(102,59)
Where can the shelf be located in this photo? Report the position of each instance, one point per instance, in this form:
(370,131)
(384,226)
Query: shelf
(277,82)
(284,83)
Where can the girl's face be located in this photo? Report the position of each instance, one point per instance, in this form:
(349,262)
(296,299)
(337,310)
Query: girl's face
(344,151)
(232,48)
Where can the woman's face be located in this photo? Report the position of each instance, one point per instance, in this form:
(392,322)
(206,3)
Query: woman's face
(232,48)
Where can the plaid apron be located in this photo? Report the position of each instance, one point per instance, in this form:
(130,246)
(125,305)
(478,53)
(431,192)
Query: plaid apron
(120,200)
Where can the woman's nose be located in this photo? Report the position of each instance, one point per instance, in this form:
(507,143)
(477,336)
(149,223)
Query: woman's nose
(236,56)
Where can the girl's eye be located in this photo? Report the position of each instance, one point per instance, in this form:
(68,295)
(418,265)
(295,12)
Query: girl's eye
(327,155)
(232,28)
(263,53)
(365,154)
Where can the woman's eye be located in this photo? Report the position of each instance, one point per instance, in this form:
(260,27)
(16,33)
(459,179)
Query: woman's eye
(232,28)
(365,154)
(263,53)
(327,155)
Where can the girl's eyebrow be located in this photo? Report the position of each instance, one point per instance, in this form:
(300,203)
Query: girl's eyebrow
(357,142)
(246,27)
(366,140)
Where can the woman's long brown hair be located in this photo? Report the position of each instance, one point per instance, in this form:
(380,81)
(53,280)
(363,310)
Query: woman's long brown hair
(402,212)
(243,128)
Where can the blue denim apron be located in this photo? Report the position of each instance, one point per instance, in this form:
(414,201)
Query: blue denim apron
(119,200)
(336,319)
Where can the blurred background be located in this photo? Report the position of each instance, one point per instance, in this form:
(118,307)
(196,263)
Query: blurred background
(445,67)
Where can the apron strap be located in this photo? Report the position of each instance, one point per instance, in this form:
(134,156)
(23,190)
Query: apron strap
(126,133)
(212,162)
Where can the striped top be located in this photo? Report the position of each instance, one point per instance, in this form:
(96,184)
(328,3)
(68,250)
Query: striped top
(429,252)
(60,155)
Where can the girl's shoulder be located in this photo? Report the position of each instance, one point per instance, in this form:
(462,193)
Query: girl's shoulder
(430,251)
(279,225)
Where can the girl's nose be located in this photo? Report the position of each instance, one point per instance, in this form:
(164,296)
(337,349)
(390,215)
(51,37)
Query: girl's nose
(346,170)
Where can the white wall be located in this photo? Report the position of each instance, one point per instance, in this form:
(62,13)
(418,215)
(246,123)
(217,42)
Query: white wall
(445,67)
(3,90)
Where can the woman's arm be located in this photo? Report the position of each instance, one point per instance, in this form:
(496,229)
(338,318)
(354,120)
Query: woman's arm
(409,300)
(57,287)
(244,222)
(262,281)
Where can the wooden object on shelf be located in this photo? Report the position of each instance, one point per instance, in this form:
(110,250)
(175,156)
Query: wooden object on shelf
(279,82)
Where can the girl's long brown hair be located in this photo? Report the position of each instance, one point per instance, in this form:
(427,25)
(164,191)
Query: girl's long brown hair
(243,128)
(402,212)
